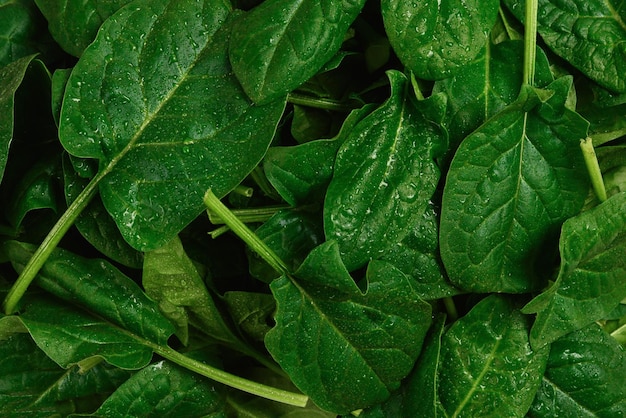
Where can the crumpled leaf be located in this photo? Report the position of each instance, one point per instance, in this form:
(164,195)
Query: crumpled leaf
(591,278)
(510,186)
(155,101)
(344,347)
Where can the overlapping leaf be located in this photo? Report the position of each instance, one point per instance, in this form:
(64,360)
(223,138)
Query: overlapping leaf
(384,174)
(510,186)
(154,100)
(292,40)
(433,39)
(345,348)
(591,279)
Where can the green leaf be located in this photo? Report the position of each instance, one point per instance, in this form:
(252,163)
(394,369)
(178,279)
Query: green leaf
(74,24)
(33,385)
(384,174)
(95,285)
(434,39)
(590,35)
(345,348)
(251,312)
(154,100)
(11,77)
(584,377)
(487,367)
(171,279)
(282,43)
(165,390)
(301,173)
(510,186)
(591,278)
(21,31)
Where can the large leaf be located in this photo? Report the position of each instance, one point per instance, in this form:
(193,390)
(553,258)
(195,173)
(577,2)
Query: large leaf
(590,35)
(591,279)
(345,348)
(510,186)
(584,377)
(487,365)
(21,27)
(154,100)
(384,174)
(435,38)
(74,24)
(282,43)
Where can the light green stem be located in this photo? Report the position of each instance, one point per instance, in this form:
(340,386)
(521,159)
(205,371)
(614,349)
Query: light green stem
(530,41)
(49,244)
(318,103)
(243,232)
(248,215)
(591,161)
(254,388)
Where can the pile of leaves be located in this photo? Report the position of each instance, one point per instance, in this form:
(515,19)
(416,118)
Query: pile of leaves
(391,208)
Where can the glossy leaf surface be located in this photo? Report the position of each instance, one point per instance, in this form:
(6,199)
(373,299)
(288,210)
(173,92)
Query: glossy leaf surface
(590,35)
(329,333)
(487,367)
(588,355)
(434,38)
(20,29)
(74,24)
(129,102)
(384,175)
(591,279)
(511,184)
(282,43)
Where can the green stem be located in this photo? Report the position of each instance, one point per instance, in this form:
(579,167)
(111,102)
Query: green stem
(450,308)
(591,161)
(530,41)
(261,180)
(49,244)
(318,103)
(248,215)
(254,388)
(243,232)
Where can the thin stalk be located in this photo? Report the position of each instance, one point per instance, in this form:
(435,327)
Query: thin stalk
(248,215)
(49,244)
(530,41)
(453,314)
(318,103)
(243,232)
(261,180)
(254,388)
(593,168)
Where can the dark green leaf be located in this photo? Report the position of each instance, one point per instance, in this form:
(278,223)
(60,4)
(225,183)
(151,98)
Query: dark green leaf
(591,279)
(584,377)
(251,312)
(282,43)
(590,35)
(154,100)
(59,81)
(384,175)
(21,29)
(434,39)
(164,390)
(74,24)
(487,367)
(345,348)
(510,186)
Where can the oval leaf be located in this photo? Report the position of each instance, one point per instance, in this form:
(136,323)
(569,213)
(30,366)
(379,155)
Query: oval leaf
(154,100)
(282,43)
(435,38)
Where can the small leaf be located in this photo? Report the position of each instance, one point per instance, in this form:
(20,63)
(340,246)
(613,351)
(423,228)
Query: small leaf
(510,186)
(487,365)
(434,39)
(155,101)
(591,278)
(345,348)
(384,175)
(584,377)
(282,43)
(590,35)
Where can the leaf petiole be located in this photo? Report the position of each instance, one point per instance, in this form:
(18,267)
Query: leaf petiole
(530,41)
(591,161)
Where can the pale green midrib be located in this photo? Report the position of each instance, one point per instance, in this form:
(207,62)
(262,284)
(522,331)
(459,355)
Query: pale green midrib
(568,396)
(477,381)
(615,15)
(487,79)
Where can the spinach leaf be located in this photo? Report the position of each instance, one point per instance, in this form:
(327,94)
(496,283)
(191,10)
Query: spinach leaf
(329,332)
(282,43)
(591,278)
(156,161)
(22,31)
(434,39)
(511,184)
(384,175)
